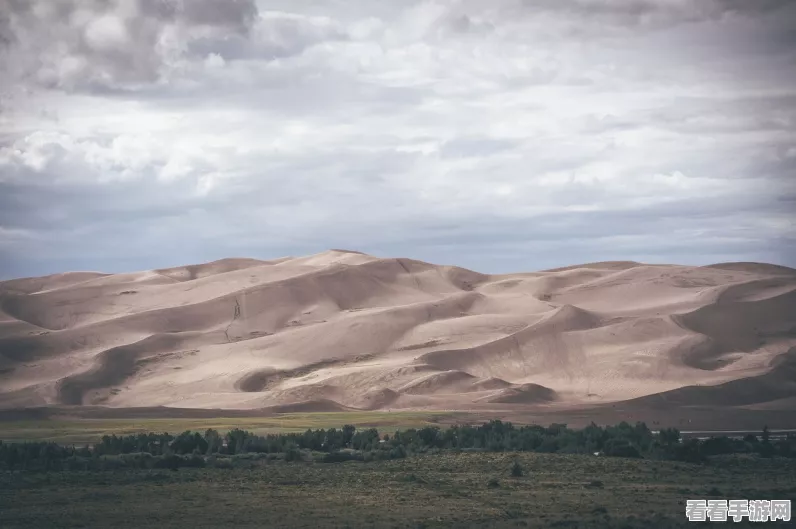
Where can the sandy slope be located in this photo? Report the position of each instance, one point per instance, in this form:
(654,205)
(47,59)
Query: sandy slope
(342,330)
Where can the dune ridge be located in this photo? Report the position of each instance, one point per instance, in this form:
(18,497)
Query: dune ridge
(342,330)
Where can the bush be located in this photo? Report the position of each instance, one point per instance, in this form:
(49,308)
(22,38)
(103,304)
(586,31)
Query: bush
(171,461)
(76,463)
(219,462)
(549,445)
(516,470)
(138,460)
(194,461)
(342,456)
(572,449)
(174,461)
(493,483)
(398,452)
(293,454)
(620,448)
(111,462)
(691,452)
(250,456)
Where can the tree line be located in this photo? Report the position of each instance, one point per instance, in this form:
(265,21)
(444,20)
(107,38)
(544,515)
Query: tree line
(194,449)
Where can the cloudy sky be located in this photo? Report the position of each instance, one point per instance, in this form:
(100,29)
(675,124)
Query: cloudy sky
(499,135)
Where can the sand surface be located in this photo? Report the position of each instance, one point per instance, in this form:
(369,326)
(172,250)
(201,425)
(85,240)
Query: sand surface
(343,330)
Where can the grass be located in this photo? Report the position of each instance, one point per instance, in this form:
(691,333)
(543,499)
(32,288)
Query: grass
(445,490)
(90,430)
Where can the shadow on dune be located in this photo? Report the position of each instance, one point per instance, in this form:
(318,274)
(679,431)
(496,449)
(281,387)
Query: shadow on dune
(492,358)
(267,378)
(524,394)
(779,383)
(736,326)
(758,268)
(113,366)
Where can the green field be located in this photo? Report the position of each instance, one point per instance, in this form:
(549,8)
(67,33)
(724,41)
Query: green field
(443,490)
(90,430)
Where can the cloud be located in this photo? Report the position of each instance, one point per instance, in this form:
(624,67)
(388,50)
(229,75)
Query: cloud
(654,14)
(510,135)
(91,43)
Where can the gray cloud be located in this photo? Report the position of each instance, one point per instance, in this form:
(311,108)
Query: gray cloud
(237,14)
(656,13)
(276,36)
(500,136)
(102,43)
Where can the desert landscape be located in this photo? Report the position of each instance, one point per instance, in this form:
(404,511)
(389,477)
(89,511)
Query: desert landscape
(345,331)
(418,264)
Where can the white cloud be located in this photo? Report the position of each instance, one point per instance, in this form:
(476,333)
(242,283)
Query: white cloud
(107,34)
(214,60)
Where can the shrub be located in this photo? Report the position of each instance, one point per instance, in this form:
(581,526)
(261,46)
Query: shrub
(516,470)
(219,462)
(171,461)
(292,454)
(111,462)
(342,456)
(398,452)
(549,445)
(691,452)
(138,460)
(194,461)
(620,448)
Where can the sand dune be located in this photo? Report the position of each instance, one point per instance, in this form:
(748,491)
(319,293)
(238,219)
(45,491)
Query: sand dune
(343,330)
(777,384)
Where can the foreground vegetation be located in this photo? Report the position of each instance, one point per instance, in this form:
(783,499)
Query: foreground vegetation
(493,475)
(450,489)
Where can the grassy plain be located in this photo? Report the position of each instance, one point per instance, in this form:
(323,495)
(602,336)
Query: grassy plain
(443,490)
